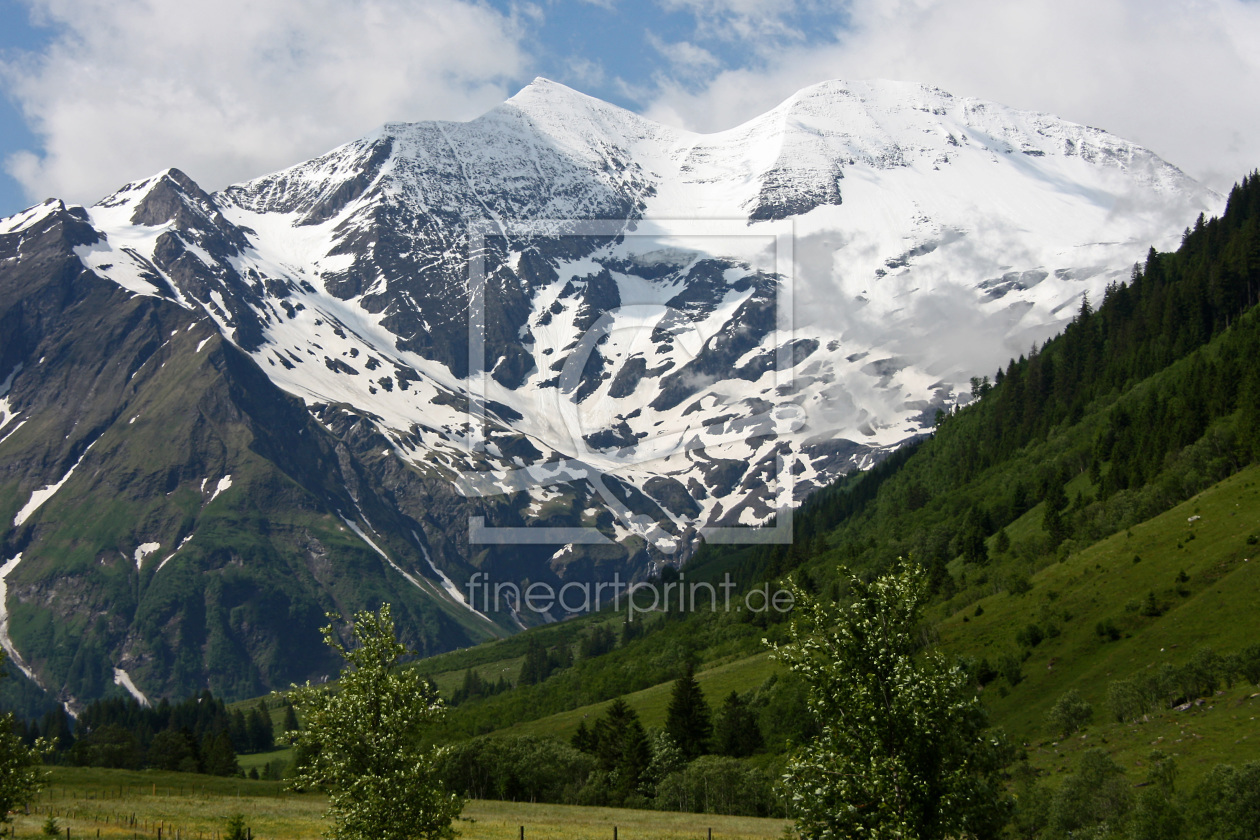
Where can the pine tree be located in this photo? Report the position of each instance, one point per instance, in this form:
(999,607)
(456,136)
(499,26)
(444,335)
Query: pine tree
(584,739)
(537,665)
(290,719)
(736,732)
(262,735)
(238,730)
(622,747)
(688,719)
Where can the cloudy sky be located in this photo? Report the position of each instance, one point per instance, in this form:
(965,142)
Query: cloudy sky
(100,92)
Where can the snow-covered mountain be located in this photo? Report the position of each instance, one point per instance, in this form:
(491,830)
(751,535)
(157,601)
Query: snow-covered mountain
(574,318)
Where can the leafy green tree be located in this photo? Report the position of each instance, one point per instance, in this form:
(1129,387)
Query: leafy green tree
(218,756)
(172,750)
(1070,713)
(688,720)
(20,774)
(666,757)
(1096,797)
(1159,814)
(903,750)
(108,746)
(1226,804)
(365,741)
(718,785)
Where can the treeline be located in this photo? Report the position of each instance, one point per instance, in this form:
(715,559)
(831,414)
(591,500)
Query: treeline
(611,661)
(1100,801)
(197,735)
(1172,306)
(702,760)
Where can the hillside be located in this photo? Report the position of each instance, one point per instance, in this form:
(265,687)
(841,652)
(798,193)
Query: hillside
(551,344)
(1083,531)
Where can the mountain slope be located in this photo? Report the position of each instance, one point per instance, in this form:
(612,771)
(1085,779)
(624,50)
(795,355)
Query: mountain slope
(1134,581)
(225,413)
(170,514)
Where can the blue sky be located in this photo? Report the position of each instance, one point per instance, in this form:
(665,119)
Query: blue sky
(97,94)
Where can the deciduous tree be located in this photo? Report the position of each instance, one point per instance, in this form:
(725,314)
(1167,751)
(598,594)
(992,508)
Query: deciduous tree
(364,741)
(903,750)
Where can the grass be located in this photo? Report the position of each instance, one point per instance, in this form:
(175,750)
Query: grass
(134,804)
(651,703)
(1214,608)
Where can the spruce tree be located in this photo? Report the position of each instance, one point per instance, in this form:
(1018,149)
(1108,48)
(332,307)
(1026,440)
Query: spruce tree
(688,719)
(736,732)
(622,748)
(261,733)
(584,739)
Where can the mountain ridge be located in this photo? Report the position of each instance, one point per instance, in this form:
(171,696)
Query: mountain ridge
(931,236)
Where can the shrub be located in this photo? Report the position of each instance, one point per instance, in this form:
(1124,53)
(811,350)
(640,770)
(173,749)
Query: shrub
(1070,713)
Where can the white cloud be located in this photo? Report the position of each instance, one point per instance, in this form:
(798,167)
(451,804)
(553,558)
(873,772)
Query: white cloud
(685,58)
(757,23)
(231,89)
(1182,78)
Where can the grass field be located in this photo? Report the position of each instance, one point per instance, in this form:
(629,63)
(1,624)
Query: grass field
(1214,606)
(120,804)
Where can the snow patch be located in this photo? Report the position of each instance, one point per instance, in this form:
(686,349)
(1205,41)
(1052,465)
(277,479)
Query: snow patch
(168,557)
(224,484)
(144,551)
(122,678)
(46,492)
(5,641)
(449,585)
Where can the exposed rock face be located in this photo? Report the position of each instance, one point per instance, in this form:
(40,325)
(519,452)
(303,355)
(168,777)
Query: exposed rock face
(304,388)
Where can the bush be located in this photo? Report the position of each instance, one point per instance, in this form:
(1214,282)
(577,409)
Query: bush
(1030,636)
(717,784)
(1010,666)
(524,769)
(1095,796)
(1107,630)
(1070,713)
(1126,700)
(235,828)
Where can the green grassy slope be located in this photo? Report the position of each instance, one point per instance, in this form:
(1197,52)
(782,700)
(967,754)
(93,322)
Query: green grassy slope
(1214,608)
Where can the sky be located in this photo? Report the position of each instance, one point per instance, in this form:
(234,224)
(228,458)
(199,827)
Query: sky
(97,93)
